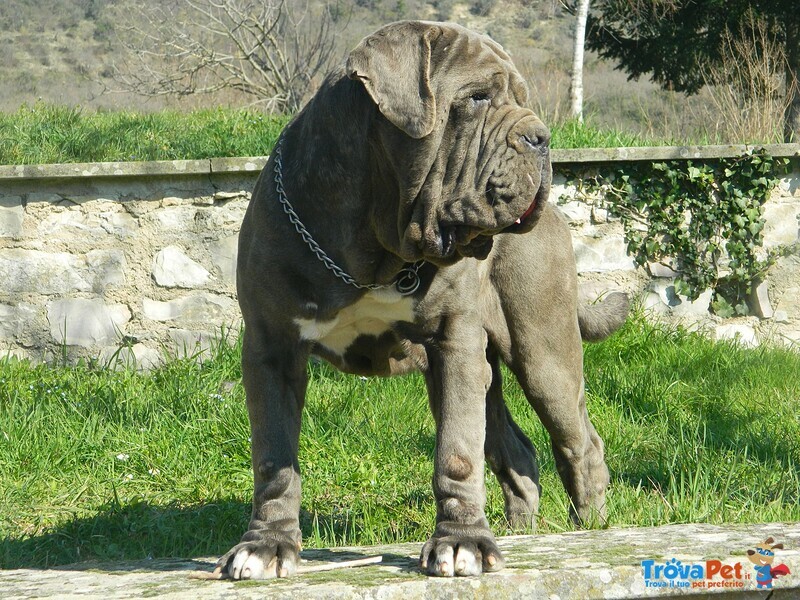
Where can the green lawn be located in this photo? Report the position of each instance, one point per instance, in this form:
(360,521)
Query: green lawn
(45,133)
(107,465)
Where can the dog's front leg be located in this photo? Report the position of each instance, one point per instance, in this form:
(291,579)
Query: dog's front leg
(458,377)
(274,376)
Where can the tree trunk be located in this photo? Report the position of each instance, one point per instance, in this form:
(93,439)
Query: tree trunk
(576,81)
(791,121)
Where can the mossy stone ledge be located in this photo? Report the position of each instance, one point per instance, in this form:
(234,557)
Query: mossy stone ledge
(573,565)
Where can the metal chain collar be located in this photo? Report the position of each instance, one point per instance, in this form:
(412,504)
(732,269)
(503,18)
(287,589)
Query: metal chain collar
(407,281)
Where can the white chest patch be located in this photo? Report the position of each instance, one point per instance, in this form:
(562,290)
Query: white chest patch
(373,314)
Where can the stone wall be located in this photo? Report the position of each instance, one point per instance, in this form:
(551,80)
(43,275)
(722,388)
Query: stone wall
(120,261)
(129,262)
(603,264)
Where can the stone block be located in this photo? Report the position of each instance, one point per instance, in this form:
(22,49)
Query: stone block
(118,223)
(172,268)
(139,208)
(229,165)
(791,339)
(601,254)
(599,215)
(228,195)
(224,253)
(664,290)
(11,216)
(561,189)
(192,344)
(70,221)
(79,221)
(652,303)
(15,320)
(174,218)
(138,357)
(576,212)
(203,308)
(36,272)
(789,185)
(760,302)
(226,216)
(739,332)
(106,268)
(14,352)
(95,203)
(789,302)
(782,226)
(658,269)
(88,323)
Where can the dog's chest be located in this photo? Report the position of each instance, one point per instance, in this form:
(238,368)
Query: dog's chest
(373,315)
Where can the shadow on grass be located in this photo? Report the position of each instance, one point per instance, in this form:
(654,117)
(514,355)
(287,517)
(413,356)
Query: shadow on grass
(139,531)
(142,536)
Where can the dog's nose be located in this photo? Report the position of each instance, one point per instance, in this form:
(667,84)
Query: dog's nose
(536,136)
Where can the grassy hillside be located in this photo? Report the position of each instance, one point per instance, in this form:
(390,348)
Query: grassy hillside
(62,52)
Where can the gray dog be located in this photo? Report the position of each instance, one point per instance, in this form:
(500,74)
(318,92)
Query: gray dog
(387,234)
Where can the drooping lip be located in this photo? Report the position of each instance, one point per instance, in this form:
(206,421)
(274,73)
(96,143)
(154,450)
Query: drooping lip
(449,245)
(522,221)
(527,213)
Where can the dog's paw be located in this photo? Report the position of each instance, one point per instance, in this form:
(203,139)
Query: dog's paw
(262,555)
(459,556)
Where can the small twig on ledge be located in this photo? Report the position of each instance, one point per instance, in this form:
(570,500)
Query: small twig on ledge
(358,562)
(217,573)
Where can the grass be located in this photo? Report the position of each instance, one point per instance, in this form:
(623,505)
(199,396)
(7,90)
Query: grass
(96,464)
(44,133)
(58,134)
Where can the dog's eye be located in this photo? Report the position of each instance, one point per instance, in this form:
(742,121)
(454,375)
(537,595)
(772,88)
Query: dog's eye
(480,98)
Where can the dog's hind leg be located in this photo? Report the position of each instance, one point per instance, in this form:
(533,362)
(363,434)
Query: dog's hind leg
(555,390)
(511,456)
(537,288)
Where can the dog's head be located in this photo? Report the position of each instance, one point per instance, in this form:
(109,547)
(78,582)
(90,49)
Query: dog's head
(469,159)
(764,554)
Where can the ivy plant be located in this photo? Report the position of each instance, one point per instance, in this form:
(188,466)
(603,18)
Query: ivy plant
(702,219)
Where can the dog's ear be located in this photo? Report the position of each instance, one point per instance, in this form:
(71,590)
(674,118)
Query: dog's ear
(394,65)
(751,552)
(778,546)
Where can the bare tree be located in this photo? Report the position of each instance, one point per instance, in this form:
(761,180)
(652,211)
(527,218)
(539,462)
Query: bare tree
(269,50)
(576,81)
(750,87)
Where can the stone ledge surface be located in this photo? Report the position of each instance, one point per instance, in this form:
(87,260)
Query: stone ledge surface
(645,153)
(256,163)
(574,565)
(155,168)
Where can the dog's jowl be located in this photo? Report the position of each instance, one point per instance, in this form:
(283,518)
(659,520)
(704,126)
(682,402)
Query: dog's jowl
(402,224)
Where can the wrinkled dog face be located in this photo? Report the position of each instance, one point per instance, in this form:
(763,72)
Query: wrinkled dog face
(453,101)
